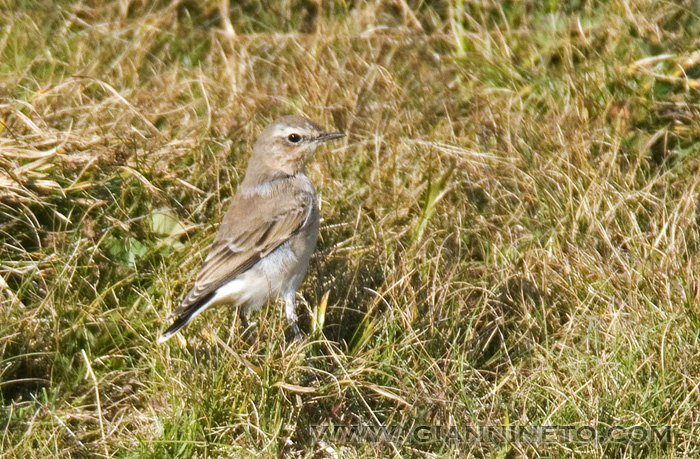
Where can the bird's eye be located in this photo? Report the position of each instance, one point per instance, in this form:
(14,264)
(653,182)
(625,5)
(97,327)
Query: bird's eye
(294,138)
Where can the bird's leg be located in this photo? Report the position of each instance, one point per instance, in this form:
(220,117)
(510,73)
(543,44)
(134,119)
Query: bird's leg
(291,313)
(245,326)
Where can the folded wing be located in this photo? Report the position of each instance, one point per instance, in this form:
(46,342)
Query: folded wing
(253,227)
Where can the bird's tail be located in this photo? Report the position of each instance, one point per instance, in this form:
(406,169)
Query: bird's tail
(192,311)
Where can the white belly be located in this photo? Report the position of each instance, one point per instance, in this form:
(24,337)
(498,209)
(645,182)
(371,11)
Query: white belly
(272,277)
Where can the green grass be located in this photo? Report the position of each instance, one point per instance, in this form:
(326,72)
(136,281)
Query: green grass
(510,233)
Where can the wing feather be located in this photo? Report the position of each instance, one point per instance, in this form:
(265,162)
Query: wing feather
(253,227)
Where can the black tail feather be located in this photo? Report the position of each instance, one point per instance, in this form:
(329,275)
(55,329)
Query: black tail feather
(185,318)
(179,323)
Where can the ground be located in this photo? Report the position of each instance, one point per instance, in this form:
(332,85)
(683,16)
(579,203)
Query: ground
(510,231)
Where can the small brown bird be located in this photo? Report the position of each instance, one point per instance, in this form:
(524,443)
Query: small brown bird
(265,241)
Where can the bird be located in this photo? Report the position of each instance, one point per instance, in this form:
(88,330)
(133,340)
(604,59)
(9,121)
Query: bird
(266,238)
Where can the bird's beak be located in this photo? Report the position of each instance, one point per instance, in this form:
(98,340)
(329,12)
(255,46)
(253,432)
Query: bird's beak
(329,136)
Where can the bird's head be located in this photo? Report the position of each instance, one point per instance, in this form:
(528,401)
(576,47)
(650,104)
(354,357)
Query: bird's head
(287,144)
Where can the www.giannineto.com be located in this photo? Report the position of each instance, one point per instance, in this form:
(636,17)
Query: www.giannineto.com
(488,434)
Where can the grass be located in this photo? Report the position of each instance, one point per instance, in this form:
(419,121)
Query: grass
(510,231)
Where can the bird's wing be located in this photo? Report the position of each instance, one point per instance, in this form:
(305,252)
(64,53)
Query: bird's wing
(253,227)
